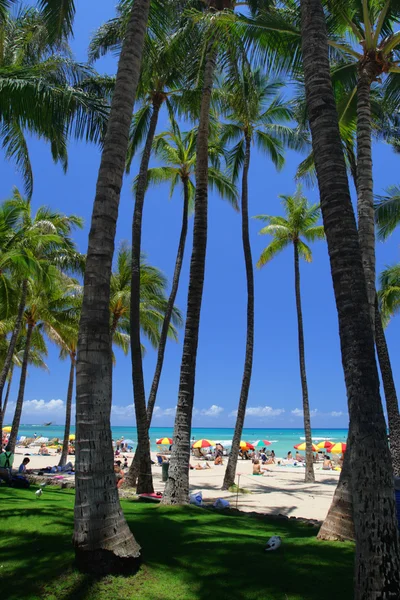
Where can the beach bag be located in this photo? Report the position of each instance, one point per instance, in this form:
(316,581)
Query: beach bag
(196,499)
(19,482)
(221,503)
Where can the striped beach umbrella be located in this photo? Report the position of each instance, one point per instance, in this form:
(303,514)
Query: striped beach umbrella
(246,446)
(7,429)
(165,441)
(302,446)
(338,448)
(262,443)
(203,444)
(325,445)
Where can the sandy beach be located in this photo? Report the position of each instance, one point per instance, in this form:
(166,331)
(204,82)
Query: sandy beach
(282,491)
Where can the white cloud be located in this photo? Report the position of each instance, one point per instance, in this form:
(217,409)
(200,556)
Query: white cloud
(213,411)
(298,412)
(122,411)
(41,406)
(335,413)
(260,411)
(164,412)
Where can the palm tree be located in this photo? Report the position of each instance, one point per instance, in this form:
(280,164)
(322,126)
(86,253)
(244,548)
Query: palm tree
(43,91)
(177,152)
(48,310)
(102,539)
(299,224)
(253,110)
(377,563)
(29,244)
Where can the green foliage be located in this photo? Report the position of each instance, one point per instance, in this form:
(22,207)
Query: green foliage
(221,546)
(300,221)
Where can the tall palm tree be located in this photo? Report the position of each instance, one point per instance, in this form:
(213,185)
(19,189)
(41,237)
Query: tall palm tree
(376,529)
(30,243)
(299,224)
(254,114)
(102,539)
(48,310)
(177,152)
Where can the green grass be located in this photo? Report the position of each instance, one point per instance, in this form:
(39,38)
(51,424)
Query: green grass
(188,554)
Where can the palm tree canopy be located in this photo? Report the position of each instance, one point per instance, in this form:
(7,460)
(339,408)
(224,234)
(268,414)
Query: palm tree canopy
(387,212)
(298,224)
(153,301)
(389,293)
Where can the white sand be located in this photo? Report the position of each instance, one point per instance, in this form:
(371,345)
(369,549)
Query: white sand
(282,491)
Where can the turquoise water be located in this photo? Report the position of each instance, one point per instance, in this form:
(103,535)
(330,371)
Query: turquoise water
(282,440)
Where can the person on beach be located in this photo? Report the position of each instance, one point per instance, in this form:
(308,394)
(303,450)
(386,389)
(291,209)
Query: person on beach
(22,466)
(289,457)
(327,466)
(202,465)
(118,444)
(6,463)
(257,469)
(271,459)
(299,457)
(219,452)
(43,450)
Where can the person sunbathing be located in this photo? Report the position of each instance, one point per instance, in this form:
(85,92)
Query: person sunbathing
(300,457)
(327,466)
(257,469)
(43,450)
(202,465)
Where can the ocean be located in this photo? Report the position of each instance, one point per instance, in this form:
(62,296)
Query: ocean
(282,440)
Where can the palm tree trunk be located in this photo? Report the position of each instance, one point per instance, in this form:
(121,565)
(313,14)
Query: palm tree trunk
(377,573)
(102,539)
(14,337)
(177,486)
(134,467)
(389,387)
(339,524)
(230,472)
(21,391)
(4,407)
(64,453)
(145,478)
(365,197)
(309,475)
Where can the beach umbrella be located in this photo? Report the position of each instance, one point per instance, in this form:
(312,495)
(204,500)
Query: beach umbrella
(72,437)
(302,446)
(261,443)
(7,429)
(203,444)
(338,448)
(325,445)
(165,441)
(246,445)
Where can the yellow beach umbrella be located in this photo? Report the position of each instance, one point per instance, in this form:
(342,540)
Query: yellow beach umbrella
(302,446)
(246,445)
(203,444)
(7,429)
(165,441)
(338,448)
(72,437)
(325,445)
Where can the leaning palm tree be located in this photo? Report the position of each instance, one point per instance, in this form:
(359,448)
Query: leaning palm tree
(297,227)
(255,115)
(48,310)
(177,153)
(102,539)
(377,569)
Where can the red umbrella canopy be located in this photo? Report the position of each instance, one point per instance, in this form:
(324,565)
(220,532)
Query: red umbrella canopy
(166,441)
(246,445)
(325,445)
(338,448)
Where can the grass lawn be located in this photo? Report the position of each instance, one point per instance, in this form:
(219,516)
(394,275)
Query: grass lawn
(188,554)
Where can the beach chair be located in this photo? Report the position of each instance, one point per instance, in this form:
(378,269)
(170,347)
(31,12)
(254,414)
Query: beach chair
(159,460)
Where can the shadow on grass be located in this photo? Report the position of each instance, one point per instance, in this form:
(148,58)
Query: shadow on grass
(188,554)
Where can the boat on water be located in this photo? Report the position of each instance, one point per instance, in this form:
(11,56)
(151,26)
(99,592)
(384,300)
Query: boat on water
(47,424)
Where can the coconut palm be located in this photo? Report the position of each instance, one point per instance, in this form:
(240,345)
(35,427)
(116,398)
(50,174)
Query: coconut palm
(48,310)
(43,91)
(30,243)
(102,539)
(255,115)
(375,522)
(177,153)
(297,227)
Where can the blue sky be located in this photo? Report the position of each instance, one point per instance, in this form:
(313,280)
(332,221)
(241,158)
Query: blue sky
(275,395)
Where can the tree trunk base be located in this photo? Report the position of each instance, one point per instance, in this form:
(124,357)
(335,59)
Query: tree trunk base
(105,562)
(339,525)
(174,494)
